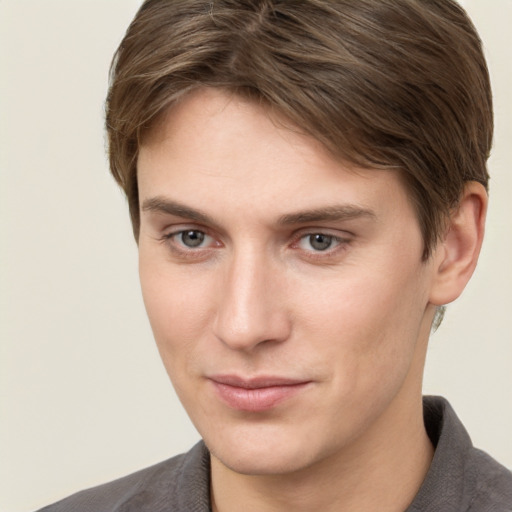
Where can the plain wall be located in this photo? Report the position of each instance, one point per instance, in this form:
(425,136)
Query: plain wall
(84,397)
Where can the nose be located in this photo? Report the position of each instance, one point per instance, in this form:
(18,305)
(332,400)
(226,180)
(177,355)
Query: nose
(251,310)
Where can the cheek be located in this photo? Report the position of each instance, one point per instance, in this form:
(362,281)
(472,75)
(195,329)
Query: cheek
(178,307)
(367,324)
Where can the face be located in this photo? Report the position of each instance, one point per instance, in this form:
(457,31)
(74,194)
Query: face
(285,290)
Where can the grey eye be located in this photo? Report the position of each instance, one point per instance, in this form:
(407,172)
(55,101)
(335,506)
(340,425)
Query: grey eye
(192,238)
(320,242)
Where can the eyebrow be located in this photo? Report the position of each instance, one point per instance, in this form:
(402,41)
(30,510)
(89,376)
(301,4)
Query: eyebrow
(326,214)
(162,205)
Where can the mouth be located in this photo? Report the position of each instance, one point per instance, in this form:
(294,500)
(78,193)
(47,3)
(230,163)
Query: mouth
(256,394)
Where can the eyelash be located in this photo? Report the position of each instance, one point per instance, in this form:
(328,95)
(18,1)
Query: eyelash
(169,239)
(339,243)
(201,252)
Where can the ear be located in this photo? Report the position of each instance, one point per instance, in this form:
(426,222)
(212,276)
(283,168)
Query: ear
(456,255)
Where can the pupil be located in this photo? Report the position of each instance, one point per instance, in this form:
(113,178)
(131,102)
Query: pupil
(192,238)
(320,242)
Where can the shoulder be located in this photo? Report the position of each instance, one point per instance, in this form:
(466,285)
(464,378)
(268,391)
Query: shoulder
(493,483)
(179,483)
(461,477)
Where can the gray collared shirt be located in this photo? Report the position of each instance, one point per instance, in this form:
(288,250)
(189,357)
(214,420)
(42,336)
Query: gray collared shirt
(461,478)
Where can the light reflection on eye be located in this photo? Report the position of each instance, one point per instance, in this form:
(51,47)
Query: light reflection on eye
(319,242)
(195,239)
(192,238)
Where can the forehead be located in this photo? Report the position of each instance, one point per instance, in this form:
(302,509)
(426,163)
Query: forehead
(215,148)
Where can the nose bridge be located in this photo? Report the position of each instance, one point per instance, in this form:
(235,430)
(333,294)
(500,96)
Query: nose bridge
(249,311)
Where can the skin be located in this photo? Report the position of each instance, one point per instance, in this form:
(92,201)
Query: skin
(257,297)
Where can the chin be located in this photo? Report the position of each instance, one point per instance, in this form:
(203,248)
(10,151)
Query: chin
(261,462)
(263,452)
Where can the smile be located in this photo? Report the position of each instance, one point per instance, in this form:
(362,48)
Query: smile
(255,395)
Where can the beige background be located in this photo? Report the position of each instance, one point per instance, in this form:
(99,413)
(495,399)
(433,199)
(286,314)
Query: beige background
(83,395)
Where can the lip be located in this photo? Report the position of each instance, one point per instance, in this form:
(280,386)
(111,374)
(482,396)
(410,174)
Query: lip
(255,394)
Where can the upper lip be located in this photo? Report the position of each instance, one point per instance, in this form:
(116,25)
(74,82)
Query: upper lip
(256,382)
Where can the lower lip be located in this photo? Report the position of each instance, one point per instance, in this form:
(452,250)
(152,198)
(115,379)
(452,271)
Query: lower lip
(258,399)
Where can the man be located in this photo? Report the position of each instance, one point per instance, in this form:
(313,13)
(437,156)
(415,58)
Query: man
(307,188)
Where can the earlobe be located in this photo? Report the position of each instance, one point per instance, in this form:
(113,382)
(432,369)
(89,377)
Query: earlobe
(456,255)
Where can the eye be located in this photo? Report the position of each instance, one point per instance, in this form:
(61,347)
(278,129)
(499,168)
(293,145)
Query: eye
(189,239)
(192,238)
(318,242)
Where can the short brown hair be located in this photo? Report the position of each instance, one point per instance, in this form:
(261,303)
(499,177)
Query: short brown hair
(381,83)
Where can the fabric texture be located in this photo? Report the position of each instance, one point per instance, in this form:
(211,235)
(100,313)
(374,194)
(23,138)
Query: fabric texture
(461,478)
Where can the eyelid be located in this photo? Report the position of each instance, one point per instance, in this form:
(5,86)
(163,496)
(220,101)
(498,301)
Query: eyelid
(179,227)
(343,239)
(336,242)
(334,233)
(177,235)
(170,234)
